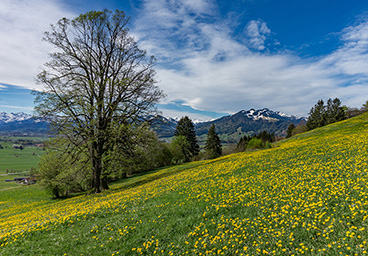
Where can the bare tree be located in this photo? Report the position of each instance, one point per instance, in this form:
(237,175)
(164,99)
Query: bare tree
(98,79)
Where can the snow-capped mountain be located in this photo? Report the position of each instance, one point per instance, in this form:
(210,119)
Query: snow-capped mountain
(267,114)
(13,117)
(243,122)
(250,121)
(21,123)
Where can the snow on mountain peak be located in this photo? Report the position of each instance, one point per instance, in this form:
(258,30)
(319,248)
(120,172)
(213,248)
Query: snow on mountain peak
(13,117)
(266,114)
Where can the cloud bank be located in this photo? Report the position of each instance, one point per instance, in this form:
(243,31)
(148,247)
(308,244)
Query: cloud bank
(205,60)
(22,51)
(208,68)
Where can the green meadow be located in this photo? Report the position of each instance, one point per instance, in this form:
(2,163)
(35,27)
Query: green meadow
(307,195)
(16,160)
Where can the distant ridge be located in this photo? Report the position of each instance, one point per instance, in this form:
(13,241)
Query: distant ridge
(22,124)
(243,122)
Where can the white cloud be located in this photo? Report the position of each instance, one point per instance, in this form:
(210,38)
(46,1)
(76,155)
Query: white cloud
(200,60)
(223,75)
(17,107)
(179,114)
(22,51)
(256,32)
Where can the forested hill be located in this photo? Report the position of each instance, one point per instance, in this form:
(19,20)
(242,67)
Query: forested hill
(251,121)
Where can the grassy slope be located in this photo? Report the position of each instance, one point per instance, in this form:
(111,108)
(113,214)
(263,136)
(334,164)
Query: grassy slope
(306,196)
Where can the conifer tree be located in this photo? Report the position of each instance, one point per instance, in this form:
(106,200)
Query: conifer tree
(290,129)
(213,144)
(186,128)
(334,111)
(317,116)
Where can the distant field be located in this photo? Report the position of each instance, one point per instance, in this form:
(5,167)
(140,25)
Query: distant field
(16,160)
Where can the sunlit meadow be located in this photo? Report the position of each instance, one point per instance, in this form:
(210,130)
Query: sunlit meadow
(306,195)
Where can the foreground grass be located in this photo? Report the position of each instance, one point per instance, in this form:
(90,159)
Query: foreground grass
(306,196)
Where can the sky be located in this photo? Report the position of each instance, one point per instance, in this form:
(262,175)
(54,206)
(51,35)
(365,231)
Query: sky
(214,58)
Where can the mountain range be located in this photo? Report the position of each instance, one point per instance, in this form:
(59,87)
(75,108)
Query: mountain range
(231,126)
(22,124)
(241,123)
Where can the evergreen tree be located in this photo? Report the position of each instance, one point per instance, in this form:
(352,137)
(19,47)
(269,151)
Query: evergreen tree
(334,111)
(321,115)
(186,128)
(290,129)
(213,144)
(242,144)
(365,106)
(317,116)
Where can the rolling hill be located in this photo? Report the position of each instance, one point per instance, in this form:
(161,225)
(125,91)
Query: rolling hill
(306,195)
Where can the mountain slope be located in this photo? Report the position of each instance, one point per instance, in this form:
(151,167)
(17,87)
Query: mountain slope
(21,123)
(251,121)
(243,122)
(307,195)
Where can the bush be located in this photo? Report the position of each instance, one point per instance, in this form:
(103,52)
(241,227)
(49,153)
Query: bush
(255,143)
(60,176)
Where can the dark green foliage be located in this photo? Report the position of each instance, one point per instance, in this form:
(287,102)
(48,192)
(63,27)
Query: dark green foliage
(186,128)
(180,150)
(257,141)
(289,131)
(134,150)
(60,173)
(334,111)
(213,146)
(266,136)
(321,115)
(317,117)
(242,144)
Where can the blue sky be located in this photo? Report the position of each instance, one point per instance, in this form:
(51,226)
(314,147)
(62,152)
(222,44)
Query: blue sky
(213,57)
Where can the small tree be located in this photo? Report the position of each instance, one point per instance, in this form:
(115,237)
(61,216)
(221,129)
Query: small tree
(289,131)
(186,128)
(213,146)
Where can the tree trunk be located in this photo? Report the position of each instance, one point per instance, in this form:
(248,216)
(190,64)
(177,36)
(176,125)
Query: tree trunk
(97,167)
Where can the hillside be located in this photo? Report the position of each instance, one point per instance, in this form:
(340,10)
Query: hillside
(307,195)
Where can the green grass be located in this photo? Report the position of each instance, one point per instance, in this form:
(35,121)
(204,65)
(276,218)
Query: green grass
(16,160)
(307,195)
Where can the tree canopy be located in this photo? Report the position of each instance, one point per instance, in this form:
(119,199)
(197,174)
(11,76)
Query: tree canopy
(321,114)
(213,146)
(97,81)
(185,127)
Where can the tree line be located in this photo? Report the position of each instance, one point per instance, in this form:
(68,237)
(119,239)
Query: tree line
(322,114)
